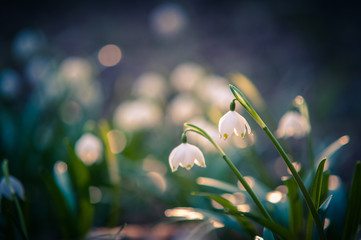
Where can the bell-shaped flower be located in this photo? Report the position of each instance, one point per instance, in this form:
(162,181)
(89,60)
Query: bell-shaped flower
(233,122)
(186,155)
(15,188)
(293,124)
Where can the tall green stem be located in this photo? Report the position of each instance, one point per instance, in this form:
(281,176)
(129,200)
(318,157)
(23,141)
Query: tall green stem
(247,187)
(233,168)
(21,216)
(244,102)
(299,182)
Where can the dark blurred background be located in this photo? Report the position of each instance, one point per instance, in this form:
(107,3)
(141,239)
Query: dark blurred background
(308,48)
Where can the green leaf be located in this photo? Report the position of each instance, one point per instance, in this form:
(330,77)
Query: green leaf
(248,227)
(296,207)
(85,216)
(273,226)
(210,182)
(324,189)
(62,180)
(353,214)
(80,178)
(315,192)
(65,216)
(324,207)
(317,184)
(78,172)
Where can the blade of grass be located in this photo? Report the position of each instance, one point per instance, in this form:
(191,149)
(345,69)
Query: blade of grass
(353,214)
(210,182)
(273,226)
(315,192)
(248,227)
(232,210)
(296,208)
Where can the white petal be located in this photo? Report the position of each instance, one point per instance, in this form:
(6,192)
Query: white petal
(175,157)
(233,122)
(226,124)
(188,160)
(198,156)
(245,126)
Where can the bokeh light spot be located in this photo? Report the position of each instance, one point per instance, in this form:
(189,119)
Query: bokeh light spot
(95,194)
(274,197)
(109,55)
(117,141)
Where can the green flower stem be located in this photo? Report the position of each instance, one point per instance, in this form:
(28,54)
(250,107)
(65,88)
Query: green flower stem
(244,102)
(233,168)
(13,195)
(299,182)
(21,216)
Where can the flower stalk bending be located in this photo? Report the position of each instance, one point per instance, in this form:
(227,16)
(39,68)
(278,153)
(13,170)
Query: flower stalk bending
(232,166)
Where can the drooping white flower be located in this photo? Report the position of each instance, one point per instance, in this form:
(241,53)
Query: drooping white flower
(16,185)
(186,155)
(293,124)
(182,108)
(233,122)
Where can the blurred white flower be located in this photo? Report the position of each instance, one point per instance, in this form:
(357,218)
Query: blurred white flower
(211,129)
(293,124)
(151,85)
(38,69)
(248,140)
(76,70)
(27,42)
(233,122)
(186,76)
(89,95)
(137,115)
(89,148)
(215,89)
(182,108)
(186,155)
(6,191)
(9,83)
(168,19)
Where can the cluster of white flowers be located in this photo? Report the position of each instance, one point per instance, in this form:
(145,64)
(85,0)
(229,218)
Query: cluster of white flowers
(292,124)
(186,155)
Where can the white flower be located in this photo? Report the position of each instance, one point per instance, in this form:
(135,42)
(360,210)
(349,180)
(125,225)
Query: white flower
(135,115)
(215,90)
(186,155)
(293,124)
(233,122)
(89,148)
(151,85)
(186,76)
(6,191)
(182,108)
